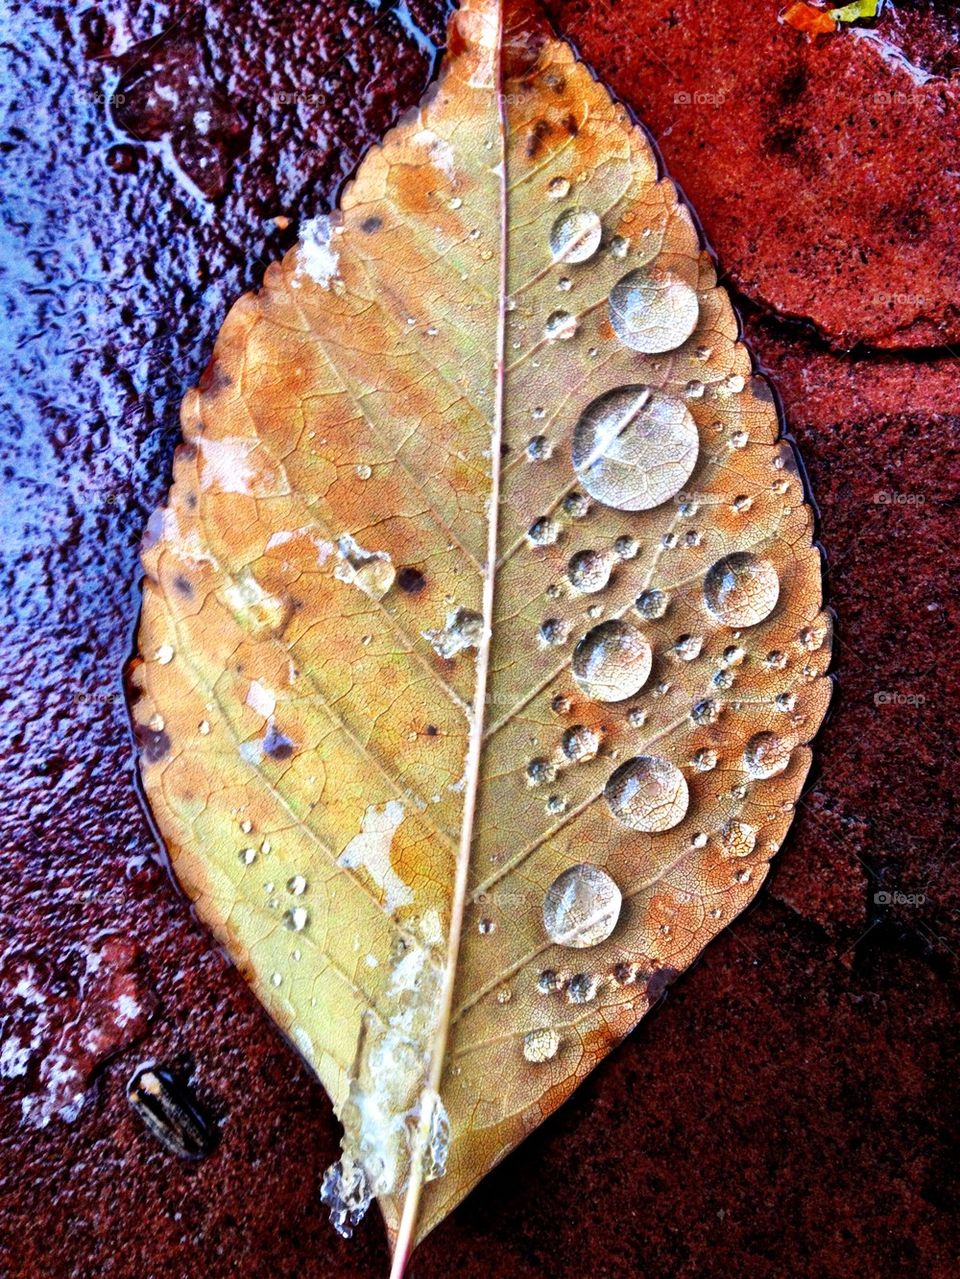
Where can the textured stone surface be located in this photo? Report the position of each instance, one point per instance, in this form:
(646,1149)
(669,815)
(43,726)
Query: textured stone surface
(790,1108)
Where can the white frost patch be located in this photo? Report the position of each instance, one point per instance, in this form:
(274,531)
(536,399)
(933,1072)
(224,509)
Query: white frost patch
(370,851)
(316,257)
(201,121)
(324,548)
(262,700)
(369,571)
(226,464)
(127,1010)
(463,630)
(441,152)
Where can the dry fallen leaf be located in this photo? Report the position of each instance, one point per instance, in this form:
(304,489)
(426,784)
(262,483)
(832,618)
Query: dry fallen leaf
(459,824)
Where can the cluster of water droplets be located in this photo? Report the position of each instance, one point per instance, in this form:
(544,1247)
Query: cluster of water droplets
(636,447)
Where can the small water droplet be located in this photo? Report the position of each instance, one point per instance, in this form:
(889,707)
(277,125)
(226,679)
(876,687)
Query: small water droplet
(626,548)
(164,654)
(560,326)
(648,793)
(652,310)
(504,995)
(786,701)
(544,531)
(580,743)
(248,856)
(541,1045)
(739,439)
(549,982)
(575,236)
(704,760)
(560,704)
(553,630)
(742,503)
(633,448)
(588,571)
(687,647)
(652,604)
(558,188)
(741,589)
(556,805)
(485,926)
(203,728)
(581,907)
(737,839)
(363,471)
(539,448)
(296,885)
(582,988)
(564,284)
(733,655)
(636,716)
(296,919)
(540,771)
(576,506)
(766,754)
(705,712)
(277,979)
(612,662)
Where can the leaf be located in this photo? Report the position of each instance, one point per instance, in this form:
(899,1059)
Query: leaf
(482,633)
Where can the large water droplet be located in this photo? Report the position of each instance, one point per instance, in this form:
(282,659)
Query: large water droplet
(581,907)
(648,793)
(541,1045)
(575,236)
(766,754)
(612,661)
(741,589)
(634,448)
(580,743)
(737,839)
(652,310)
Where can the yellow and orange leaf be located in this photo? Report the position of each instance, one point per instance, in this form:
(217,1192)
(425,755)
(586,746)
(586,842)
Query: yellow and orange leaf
(482,635)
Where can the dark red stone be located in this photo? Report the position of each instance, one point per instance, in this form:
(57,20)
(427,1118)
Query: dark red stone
(791,1107)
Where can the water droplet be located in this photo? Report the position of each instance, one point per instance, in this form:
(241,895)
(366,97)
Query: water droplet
(722,679)
(588,571)
(544,531)
(541,1045)
(576,506)
(694,390)
(296,919)
(705,712)
(741,589)
(636,716)
(164,654)
(742,503)
(811,638)
(549,982)
(581,907)
(648,793)
(556,805)
(485,927)
(455,203)
(775,660)
(504,995)
(612,661)
(652,310)
(737,839)
(733,655)
(575,236)
(277,979)
(558,188)
(540,771)
(560,326)
(619,246)
(297,885)
(580,743)
(553,630)
(582,987)
(766,754)
(564,284)
(203,728)
(560,704)
(738,440)
(651,604)
(248,856)
(539,448)
(704,760)
(633,449)
(626,548)
(363,471)
(786,701)
(687,647)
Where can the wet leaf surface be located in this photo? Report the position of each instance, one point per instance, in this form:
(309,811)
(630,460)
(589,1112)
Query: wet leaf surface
(482,633)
